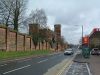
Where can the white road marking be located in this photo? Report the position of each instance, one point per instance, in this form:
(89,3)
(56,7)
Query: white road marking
(16,69)
(42,61)
(17,59)
(27,59)
(60,55)
(54,54)
(38,57)
(88,69)
(3,65)
(51,54)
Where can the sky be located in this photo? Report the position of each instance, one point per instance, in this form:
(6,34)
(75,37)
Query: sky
(71,14)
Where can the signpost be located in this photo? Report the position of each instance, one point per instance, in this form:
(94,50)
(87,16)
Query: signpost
(85,48)
(86,40)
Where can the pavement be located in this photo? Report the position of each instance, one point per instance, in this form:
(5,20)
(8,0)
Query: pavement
(78,69)
(83,66)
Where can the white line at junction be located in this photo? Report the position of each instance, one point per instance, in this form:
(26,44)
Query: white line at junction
(3,65)
(42,61)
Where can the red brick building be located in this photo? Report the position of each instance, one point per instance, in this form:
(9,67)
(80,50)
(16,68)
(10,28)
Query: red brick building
(94,38)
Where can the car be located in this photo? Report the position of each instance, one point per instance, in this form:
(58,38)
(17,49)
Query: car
(95,51)
(68,52)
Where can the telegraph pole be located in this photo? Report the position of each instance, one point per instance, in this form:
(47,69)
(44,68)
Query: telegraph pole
(82,35)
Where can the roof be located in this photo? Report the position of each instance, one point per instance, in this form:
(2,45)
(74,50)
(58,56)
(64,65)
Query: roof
(95,33)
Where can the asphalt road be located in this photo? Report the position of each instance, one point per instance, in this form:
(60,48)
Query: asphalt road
(32,66)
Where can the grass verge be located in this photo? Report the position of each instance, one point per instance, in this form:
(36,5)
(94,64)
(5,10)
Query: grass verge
(18,54)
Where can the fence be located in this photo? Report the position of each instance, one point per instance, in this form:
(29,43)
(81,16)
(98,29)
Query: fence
(11,40)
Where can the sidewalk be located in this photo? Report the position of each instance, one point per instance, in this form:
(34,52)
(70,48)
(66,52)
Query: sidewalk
(93,62)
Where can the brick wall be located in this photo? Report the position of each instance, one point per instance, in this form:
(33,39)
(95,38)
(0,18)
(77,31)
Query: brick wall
(2,39)
(14,41)
(20,42)
(28,44)
(32,45)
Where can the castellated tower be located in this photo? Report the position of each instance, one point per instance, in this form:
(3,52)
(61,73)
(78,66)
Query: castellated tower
(57,31)
(33,28)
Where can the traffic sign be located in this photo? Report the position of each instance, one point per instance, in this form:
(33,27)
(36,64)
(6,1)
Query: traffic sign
(85,40)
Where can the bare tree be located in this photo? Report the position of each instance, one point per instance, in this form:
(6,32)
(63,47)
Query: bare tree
(11,12)
(18,13)
(5,11)
(38,16)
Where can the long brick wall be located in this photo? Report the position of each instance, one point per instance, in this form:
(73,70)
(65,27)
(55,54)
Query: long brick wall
(13,41)
(28,44)
(20,42)
(2,39)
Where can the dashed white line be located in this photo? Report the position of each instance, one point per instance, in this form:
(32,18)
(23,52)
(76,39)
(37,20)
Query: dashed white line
(51,54)
(24,60)
(54,54)
(3,65)
(38,57)
(17,59)
(16,69)
(27,60)
(42,61)
(60,55)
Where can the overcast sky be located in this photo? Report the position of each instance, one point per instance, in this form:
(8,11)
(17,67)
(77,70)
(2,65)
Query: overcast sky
(71,14)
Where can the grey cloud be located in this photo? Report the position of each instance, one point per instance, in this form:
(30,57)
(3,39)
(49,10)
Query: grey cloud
(70,13)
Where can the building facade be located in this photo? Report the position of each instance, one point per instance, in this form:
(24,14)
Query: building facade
(94,38)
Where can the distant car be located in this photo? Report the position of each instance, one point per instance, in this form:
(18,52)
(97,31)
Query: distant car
(95,51)
(68,52)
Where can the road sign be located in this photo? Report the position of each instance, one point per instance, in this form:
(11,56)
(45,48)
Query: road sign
(85,40)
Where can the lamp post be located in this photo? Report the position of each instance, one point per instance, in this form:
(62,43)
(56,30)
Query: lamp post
(85,49)
(82,34)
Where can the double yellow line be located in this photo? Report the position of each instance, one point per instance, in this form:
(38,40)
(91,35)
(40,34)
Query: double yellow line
(65,66)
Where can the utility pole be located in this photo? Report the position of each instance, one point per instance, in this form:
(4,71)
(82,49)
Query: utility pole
(82,35)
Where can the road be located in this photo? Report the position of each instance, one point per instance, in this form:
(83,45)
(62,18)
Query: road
(32,66)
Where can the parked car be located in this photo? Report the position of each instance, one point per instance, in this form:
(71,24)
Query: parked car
(68,52)
(95,51)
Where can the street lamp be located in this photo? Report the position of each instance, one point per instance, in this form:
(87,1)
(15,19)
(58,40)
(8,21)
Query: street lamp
(85,49)
(82,35)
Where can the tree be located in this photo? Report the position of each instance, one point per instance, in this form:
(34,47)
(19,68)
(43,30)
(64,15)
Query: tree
(38,16)
(5,11)
(62,41)
(18,12)
(43,36)
(12,12)
(35,39)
